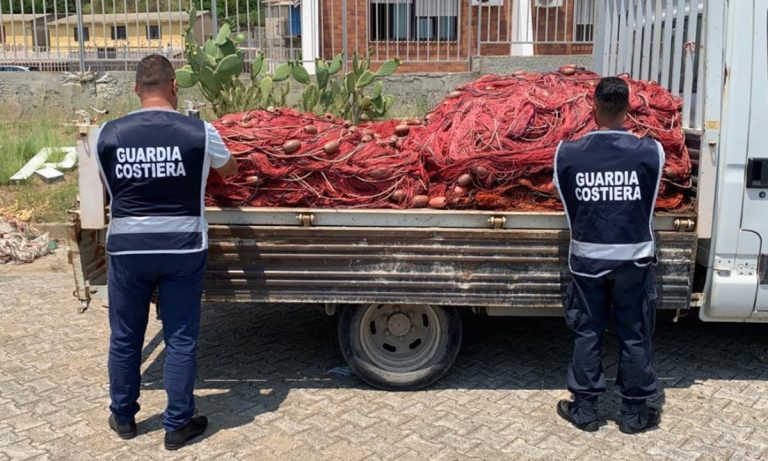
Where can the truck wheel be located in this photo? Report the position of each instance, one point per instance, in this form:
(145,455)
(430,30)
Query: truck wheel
(399,347)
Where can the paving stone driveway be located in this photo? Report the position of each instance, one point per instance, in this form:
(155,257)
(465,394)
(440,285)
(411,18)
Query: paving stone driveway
(270,383)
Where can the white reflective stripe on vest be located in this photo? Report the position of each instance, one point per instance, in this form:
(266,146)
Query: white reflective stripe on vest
(156,224)
(612,251)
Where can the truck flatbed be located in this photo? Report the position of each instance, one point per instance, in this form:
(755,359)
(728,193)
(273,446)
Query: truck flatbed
(479,259)
(500,263)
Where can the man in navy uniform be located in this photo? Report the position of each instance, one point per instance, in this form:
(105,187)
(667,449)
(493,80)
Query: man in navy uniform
(154,163)
(608,182)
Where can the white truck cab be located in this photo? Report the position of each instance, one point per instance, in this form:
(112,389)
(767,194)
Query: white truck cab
(714,54)
(737,281)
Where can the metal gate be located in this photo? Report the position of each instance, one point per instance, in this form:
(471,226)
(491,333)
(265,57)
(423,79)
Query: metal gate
(115,34)
(660,40)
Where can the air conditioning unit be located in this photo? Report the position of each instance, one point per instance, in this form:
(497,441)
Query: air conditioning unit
(549,3)
(487,2)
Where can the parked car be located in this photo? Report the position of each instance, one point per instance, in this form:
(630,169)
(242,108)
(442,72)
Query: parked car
(8,68)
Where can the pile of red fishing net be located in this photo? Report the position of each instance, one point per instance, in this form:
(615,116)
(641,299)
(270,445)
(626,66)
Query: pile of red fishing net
(489,145)
(287,158)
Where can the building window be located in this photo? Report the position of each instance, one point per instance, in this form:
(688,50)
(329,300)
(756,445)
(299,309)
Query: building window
(106,53)
(390,20)
(86,35)
(153,32)
(2,34)
(427,20)
(436,28)
(584,21)
(119,33)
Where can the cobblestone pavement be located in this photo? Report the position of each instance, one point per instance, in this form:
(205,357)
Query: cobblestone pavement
(266,381)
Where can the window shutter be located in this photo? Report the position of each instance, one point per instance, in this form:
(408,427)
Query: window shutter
(432,8)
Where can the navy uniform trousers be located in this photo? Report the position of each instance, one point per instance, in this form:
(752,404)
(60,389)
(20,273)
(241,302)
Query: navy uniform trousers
(629,292)
(132,280)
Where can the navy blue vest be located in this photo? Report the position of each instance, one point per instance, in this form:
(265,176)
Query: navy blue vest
(153,164)
(608,182)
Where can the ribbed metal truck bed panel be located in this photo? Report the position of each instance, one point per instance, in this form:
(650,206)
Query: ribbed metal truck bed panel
(460,267)
(386,256)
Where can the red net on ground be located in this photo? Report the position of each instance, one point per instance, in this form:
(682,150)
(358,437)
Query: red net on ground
(489,145)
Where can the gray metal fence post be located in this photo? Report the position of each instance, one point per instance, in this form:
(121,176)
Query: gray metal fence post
(479,25)
(598,43)
(469,35)
(344,34)
(80,41)
(215,21)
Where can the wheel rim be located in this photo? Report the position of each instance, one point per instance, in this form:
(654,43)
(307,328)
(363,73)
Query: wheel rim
(400,338)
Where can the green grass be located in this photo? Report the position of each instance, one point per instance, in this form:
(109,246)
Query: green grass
(34,199)
(121,106)
(20,141)
(422,107)
(56,156)
(37,201)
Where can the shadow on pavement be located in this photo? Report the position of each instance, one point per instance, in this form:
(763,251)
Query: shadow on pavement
(251,356)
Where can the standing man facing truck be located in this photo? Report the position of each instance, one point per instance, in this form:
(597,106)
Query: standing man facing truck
(154,163)
(608,182)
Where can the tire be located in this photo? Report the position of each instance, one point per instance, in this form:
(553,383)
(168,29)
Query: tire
(399,347)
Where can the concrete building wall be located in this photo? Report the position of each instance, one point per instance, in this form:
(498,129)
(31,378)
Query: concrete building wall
(417,56)
(23,35)
(100,35)
(30,96)
(38,94)
(488,25)
(509,64)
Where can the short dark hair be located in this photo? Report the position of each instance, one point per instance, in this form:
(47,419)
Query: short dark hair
(612,96)
(154,70)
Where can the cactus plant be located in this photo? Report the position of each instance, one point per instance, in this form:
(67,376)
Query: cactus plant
(216,67)
(346,95)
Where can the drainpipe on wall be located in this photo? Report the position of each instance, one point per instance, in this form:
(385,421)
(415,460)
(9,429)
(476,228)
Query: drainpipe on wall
(522,29)
(310,33)
(344,37)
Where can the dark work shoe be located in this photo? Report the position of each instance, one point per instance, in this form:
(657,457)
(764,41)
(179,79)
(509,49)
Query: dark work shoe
(564,410)
(654,418)
(194,428)
(124,430)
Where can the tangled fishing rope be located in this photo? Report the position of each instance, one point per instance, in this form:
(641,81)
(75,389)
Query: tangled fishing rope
(287,158)
(20,243)
(489,145)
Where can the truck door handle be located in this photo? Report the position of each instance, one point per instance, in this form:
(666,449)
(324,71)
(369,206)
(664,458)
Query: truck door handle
(757,173)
